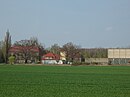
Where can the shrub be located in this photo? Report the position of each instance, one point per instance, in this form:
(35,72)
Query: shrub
(85,63)
(11,60)
(76,63)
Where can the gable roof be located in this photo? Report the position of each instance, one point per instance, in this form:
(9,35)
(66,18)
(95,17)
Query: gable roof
(51,56)
(22,48)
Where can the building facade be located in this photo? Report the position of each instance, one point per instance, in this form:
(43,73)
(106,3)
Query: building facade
(50,58)
(32,54)
(119,56)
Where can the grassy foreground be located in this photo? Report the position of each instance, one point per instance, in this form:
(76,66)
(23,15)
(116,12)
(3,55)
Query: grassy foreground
(54,81)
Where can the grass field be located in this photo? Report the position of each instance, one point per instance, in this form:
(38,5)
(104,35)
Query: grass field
(62,81)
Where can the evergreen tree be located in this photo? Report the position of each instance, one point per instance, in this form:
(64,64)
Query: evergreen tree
(6,46)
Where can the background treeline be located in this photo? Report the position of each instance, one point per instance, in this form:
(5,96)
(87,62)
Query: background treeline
(73,52)
(77,53)
(94,53)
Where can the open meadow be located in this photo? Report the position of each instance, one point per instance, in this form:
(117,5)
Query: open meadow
(64,81)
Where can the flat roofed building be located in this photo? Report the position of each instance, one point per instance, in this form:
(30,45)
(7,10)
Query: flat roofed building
(119,56)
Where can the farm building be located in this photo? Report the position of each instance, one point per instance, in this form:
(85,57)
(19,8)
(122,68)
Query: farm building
(118,56)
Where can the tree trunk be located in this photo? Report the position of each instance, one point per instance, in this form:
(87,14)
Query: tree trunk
(26,61)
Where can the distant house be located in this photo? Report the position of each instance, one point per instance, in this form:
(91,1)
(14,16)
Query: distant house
(63,55)
(19,52)
(51,58)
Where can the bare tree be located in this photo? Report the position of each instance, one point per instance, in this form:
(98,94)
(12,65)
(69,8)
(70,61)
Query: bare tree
(72,51)
(24,47)
(30,48)
(55,49)
(36,43)
(94,53)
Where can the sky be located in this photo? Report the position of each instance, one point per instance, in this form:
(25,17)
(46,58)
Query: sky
(88,23)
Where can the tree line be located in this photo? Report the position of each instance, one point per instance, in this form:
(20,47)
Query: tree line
(77,53)
(25,47)
(73,52)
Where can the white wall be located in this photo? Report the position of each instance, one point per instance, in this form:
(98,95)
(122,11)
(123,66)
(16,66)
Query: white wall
(118,53)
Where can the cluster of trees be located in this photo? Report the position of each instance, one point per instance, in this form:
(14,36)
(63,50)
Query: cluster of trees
(73,52)
(76,53)
(94,53)
(26,47)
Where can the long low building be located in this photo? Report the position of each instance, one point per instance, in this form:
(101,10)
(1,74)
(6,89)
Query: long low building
(119,56)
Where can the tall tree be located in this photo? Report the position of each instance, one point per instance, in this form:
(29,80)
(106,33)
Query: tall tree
(72,51)
(28,47)
(36,43)
(85,53)
(6,46)
(55,49)
(1,52)
(24,47)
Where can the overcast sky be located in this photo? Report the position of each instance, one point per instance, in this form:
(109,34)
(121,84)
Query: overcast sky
(88,23)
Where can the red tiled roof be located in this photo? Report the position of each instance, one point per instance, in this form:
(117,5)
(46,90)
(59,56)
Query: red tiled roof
(50,56)
(21,48)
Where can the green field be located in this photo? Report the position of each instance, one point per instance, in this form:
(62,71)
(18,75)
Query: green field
(63,81)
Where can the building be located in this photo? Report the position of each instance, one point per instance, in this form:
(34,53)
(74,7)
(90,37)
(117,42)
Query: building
(63,55)
(50,58)
(119,56)
(23,54)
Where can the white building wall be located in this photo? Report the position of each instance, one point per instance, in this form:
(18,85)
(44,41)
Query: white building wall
(118,53)
(127,53)
(122,53)
(110,53)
